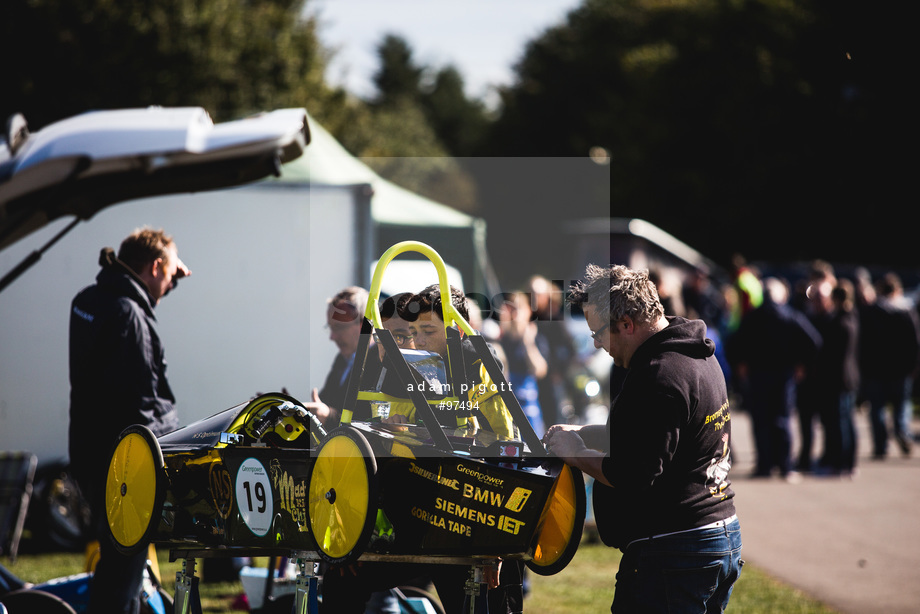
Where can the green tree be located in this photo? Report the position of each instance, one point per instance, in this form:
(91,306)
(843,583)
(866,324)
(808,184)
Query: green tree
(232,57)
(398,78)
(729,123)
(459,122)
(397,135)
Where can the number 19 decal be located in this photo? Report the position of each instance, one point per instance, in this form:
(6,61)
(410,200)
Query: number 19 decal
(254,496)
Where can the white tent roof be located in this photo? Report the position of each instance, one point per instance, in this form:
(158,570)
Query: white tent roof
(326,162)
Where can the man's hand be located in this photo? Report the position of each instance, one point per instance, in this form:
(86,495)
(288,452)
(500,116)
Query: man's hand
(322,411)
(560,427)
(491,573)
(568,445)
(564,443)
(594,436)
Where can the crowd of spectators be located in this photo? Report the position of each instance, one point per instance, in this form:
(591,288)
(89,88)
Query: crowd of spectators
(811,353)
(804,354)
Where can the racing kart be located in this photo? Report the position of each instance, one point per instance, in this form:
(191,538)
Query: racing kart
(264,478)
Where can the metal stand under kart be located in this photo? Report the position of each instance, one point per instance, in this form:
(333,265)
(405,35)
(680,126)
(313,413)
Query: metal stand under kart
(306,600)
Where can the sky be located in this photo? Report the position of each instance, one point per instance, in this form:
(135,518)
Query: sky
(482,38)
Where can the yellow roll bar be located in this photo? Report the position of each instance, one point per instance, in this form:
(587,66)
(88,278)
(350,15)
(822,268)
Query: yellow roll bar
(449,313)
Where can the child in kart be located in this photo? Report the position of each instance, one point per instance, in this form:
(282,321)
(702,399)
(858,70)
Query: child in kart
(415,322)
(480,396)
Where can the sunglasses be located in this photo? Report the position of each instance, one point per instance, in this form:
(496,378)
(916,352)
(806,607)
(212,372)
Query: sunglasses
(595,333)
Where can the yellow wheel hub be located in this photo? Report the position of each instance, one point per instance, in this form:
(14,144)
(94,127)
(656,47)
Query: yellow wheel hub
(340,495)
(133,487)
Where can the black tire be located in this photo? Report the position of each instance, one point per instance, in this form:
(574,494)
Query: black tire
(59,517)
(28,601)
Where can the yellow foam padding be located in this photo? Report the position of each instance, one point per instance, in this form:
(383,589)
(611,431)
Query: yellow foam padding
(154,563)
(486,397)
(92,556)
(449,313)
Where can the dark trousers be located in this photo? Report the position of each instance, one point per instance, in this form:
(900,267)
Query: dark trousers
(771,399)
(116,584)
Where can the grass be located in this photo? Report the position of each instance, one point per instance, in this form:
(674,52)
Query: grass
(586,585)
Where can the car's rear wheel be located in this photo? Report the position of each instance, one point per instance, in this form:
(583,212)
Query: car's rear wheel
(342,504)
(134,489)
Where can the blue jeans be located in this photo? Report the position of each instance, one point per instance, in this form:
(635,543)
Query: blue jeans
(687,573)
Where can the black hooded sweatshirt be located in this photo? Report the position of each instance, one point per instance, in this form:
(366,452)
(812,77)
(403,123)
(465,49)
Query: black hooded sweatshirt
(669,430)
(117,368)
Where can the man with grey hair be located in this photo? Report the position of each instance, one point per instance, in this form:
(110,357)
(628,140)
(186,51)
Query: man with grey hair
(661,463)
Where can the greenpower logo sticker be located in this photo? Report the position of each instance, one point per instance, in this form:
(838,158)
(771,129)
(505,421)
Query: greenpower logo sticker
(254,496)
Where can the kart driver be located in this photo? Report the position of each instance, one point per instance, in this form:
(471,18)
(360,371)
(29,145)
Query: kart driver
(483,397)
(349,590)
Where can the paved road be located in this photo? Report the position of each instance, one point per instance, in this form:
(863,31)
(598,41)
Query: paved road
(853,544)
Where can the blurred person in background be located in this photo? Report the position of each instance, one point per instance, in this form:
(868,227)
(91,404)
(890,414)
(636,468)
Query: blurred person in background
(670,291)
(748,290)
(525,352)
(344,317)
(817,396)
(548,302)
(769,351)
(890,346)
(842,342)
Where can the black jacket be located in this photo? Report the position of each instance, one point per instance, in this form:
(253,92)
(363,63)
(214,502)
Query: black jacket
(669,430)
(117,367)
(774,338)
(890,340)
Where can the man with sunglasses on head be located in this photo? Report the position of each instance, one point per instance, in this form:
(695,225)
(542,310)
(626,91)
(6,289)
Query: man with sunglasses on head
(661,463)
(344,319)
(117,379)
